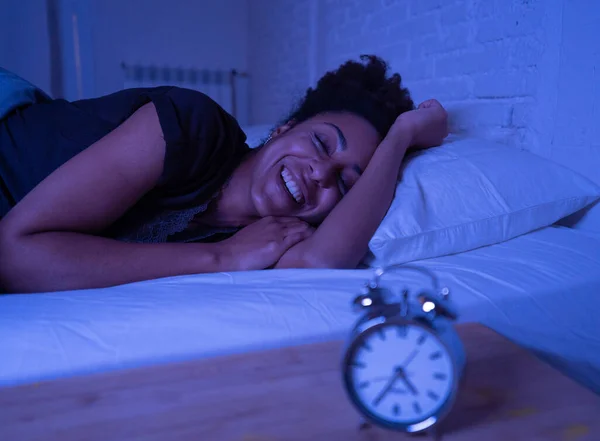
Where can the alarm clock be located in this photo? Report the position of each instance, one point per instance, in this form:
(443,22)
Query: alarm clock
(404,360)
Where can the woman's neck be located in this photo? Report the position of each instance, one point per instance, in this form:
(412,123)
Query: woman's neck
(233,206)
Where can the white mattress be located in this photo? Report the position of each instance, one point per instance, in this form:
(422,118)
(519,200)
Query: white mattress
(541,290)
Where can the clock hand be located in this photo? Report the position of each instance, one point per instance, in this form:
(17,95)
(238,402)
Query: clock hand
(410,358)
(399,374)
(407,382)
(386,389)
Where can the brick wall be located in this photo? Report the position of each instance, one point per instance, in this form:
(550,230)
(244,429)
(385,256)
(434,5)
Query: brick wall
(479,57)
(523,72)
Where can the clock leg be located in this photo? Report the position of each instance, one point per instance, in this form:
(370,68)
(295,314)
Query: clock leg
(363,424)
(435,433)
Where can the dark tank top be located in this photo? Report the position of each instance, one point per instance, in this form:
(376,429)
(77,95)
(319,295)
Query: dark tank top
(204,144)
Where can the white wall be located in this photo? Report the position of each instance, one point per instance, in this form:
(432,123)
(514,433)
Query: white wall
(477,56)
(568,113)
(200,34)
(524,72)
(23,40)
(280,33)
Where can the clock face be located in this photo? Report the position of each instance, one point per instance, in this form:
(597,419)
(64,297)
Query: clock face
(400,374)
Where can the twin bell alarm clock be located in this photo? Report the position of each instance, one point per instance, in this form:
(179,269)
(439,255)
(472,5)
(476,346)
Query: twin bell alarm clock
(404,360)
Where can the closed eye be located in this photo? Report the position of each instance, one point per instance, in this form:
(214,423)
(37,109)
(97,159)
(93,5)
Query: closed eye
(323,148)
(321,145)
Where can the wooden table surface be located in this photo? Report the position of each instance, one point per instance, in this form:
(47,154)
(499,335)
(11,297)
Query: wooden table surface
(295,393)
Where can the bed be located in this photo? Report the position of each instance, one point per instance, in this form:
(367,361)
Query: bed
(539,290)
(482,218)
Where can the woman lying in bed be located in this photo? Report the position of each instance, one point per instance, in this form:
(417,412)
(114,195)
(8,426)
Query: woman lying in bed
(148,183)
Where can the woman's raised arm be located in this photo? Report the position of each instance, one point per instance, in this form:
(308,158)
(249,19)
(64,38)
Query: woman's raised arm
(342,240)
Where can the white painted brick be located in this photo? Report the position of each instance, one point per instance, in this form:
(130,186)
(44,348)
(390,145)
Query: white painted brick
(345,32)
(524,138)
(526,51)
(455,37)
(534,6)
(512,25)
(456,13)
(421,6)
(466,115)
(482,8)
(490,30)
(413,28)
(387,17)
(420,47)
(504,84)
(489,8)
(504,135)
(372,41)
(417,70)
(479,57)
(456,89)
(335,18)
(358,10)
(485,59)
(584,159)
(521,114)
(396,54)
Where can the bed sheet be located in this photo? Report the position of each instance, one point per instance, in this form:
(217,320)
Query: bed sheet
(541,290)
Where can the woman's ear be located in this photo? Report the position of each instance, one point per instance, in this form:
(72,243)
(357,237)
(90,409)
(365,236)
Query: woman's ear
(282,129)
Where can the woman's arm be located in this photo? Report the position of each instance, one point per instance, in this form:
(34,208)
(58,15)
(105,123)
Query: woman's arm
(47,241)
(342,240)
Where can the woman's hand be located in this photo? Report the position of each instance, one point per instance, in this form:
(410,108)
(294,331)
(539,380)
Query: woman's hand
(261,244)
(427,125)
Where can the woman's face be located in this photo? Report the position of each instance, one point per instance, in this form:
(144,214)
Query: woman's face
(305,170)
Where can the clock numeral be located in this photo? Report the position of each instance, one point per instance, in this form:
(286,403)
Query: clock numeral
(366,346)
(363,385)
(433,395)
(416,407)
(396,410)
(358,364)
(435,355)
(439,376)
(421,339)
(381,334)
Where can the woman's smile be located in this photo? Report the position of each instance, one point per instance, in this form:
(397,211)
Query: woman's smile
(292,185)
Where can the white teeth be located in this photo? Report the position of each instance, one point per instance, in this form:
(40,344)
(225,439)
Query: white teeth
(292,186)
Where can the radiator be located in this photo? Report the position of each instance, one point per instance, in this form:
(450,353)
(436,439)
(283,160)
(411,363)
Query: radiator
(229,88)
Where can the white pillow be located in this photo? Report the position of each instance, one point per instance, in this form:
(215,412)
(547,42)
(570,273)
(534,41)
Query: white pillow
(471,193)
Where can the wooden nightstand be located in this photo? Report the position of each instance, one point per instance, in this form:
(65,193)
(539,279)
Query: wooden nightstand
(295,393)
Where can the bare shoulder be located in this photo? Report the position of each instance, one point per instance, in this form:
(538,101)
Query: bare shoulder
(143,123)
(98,185)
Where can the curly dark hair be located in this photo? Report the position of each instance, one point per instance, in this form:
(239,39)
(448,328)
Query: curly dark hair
(361,88)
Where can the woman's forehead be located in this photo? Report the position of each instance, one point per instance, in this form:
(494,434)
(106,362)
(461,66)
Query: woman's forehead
(351,125)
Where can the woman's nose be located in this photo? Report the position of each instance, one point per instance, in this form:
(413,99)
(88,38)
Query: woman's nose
(323,172)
